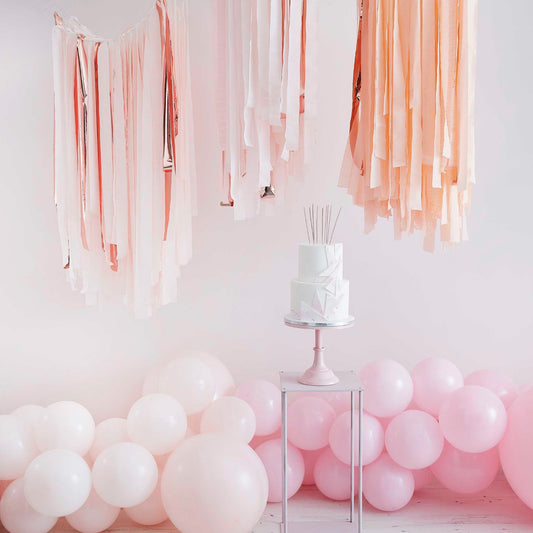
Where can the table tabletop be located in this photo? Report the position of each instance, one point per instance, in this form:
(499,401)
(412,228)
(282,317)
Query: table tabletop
(348,381)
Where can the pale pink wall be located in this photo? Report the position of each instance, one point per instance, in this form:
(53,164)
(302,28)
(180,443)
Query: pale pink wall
(473,304)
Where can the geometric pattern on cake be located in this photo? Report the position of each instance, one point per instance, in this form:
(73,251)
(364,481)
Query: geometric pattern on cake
(319,294)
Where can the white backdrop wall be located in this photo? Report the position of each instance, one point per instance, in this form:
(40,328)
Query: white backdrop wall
(472,304)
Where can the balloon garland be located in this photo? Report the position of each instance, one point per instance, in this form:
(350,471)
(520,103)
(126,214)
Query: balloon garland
(419,426)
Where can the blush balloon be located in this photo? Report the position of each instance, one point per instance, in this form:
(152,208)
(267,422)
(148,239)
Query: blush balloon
(224,384)
(373,438)
(500,384)
(270,453)
(423,477)
(3,485)
(151,511)
(434,379)
(18,516)
(388,387)
(310,458)
(213,482)
(190,381)
(66,425)
(158,422)
(387,486)
(229,415)
(108,432)
(17,446)
(57,482)
(256,441)
(125,474)
(516,447)
(414,439)
(332,477)
(265,400)
(94,515)
(309,421)
(473,419)
(340,401)
(31,414)
(463,472)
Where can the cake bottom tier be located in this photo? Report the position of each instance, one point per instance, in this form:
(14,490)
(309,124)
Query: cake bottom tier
(320,302)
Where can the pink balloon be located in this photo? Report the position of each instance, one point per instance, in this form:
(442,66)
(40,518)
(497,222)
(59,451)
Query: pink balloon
(309,420)
(151,511)
(500,384)
(373,438)
(423,477)
(466,473)
(434,379)
(94,516)
(387,486)
(16,514)
(516,447)
(194,422)
(257,440)
(310,458)
(414,439)
(3,485)
(270,454)
(388,387)
(473,419)
(265,400)
(340,401)
(332,477)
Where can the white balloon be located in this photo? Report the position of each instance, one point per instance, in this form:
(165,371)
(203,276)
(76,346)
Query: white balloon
(16,514)
(57,482)
(32,414)
(107,432)
(66,425)
(125,474)
(190,381)
(158,422)
(151,511)
(17,446)
(213,482)
(229,415)
(94,515)
(224,383)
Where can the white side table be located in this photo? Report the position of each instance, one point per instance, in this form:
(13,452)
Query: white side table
(348,382)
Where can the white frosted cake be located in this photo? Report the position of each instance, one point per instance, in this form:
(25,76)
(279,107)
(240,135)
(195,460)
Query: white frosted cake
(320,294)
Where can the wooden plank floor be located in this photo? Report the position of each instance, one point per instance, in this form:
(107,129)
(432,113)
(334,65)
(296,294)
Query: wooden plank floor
(433,509)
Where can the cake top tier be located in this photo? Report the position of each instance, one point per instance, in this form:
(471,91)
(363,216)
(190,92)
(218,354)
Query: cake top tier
(319,262)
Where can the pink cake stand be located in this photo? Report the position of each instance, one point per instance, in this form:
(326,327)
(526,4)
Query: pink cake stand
(318,373)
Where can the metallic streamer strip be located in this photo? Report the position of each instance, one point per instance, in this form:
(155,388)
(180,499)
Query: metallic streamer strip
(80,87)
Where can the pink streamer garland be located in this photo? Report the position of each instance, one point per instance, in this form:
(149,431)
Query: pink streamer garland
(124,158)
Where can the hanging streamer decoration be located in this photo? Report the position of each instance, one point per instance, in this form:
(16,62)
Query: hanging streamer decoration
(124,162)
(261,86)
(410,152)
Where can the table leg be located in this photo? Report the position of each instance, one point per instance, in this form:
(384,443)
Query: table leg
(360,513)
(284,517)
(352,456)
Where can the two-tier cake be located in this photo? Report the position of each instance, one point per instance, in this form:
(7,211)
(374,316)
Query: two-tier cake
(319,294)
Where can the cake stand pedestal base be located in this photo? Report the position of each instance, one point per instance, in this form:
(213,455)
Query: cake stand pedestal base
(318,373)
